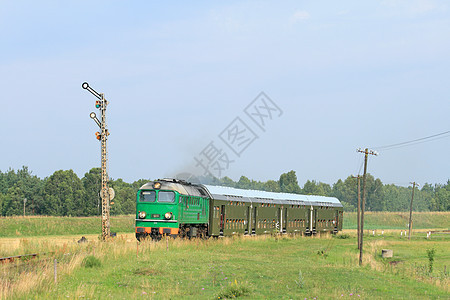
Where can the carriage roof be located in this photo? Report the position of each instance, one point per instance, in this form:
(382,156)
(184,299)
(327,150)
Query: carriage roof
(233,194)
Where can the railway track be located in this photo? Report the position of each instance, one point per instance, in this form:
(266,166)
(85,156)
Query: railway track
(10,259)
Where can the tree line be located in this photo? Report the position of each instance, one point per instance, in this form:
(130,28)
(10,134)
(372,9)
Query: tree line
(379,196)
(65,194)
(62,194)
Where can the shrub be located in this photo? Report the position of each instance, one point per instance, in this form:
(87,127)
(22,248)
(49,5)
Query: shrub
(91,262)
(430,254)
(343,236)
(233,291)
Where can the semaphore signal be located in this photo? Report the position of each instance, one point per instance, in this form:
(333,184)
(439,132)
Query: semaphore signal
(106,193)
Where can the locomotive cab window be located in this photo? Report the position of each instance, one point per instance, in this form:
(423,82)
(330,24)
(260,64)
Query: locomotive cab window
(166,197)
(147,196)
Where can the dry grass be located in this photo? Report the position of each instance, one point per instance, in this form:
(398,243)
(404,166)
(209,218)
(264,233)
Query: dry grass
(22,281)
(21,276)
(19,279)
(372,250)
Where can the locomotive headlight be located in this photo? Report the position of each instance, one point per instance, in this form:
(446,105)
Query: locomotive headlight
(157,185)
(168,216)
(142,215)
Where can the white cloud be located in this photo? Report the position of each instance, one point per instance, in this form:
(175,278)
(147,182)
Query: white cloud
(422,6)
(414,7)
(300,15)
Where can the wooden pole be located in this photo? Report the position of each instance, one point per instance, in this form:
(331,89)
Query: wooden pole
(366,152)
(410,210)
(358,214)
(366,156)
(359,211)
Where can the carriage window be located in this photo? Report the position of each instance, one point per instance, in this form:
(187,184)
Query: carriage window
(147,196)
(167,197)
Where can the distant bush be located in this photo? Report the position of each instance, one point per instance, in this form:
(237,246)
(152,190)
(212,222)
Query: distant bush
(343,236)
(91,262)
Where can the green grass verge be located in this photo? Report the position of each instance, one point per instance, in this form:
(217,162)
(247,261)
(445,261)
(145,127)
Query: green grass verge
(46,226)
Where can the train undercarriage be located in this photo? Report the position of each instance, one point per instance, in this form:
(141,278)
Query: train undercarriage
(185,231)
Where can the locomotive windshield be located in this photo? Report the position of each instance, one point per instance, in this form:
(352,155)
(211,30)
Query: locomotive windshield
(147,196)
(166,197)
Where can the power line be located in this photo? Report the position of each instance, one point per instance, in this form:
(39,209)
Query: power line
(416,141)
(360,167)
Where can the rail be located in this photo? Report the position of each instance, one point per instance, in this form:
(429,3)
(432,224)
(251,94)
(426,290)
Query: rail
(11,259)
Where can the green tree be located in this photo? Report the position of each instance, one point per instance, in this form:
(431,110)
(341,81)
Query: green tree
(92,183)
(64,195)
(125,199)
(375,201)
(3,185)
(316,188)
(227,181)
(289,183)
(272,186)
(13,204)
(244,183)
(21,184)
(346,190)
(256,185)
(442,197)
(137,184)
(427,193)
(394,198)
(324,189)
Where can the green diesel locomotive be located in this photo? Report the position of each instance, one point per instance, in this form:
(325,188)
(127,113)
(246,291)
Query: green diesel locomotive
(179,208)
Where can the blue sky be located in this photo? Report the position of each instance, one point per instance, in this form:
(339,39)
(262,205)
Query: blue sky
(345,75)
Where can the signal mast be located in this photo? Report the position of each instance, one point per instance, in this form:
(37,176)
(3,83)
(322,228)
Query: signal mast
(106,193)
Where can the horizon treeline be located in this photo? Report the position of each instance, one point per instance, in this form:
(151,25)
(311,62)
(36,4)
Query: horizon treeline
(65,194)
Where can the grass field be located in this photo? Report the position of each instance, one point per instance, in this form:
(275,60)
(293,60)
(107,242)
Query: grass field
(248,268)
(241,267)
(399,220)
(45,226)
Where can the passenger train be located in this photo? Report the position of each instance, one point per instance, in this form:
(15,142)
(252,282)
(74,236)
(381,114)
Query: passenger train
(178,208)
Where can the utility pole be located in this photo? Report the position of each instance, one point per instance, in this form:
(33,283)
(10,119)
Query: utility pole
(358,214)
(24,201)
(366,156)
(106,193)
(410,209)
